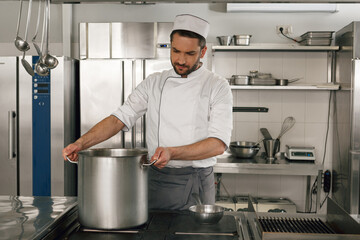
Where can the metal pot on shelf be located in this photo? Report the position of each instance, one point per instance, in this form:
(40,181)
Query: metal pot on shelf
(112,188)
(285,82)
(240,79)
(242,40)
(224,40)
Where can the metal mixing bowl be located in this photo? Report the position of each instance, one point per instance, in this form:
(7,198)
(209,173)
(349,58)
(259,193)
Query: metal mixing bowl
(207,214)
(224,40)
(244,149)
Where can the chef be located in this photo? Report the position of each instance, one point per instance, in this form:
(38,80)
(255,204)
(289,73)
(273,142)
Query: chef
(188,121)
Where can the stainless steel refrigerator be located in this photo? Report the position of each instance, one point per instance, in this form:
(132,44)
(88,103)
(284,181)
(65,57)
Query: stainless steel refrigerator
(115,58)
(38,116)
(346,131)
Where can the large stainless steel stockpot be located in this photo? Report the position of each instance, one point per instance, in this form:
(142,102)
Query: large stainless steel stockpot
(112,188)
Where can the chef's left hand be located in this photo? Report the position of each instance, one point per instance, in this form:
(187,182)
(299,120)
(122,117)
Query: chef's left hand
(163,156)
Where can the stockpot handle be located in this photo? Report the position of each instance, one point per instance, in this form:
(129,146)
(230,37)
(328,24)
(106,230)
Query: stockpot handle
(71,160)
(144,164)
(149,164)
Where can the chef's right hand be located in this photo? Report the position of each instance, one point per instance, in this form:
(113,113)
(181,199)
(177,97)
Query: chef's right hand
(162,156)
(71,151)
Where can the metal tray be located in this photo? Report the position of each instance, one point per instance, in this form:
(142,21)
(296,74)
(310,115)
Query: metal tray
(316,42)
(262,81)
(317,34)
(240,80)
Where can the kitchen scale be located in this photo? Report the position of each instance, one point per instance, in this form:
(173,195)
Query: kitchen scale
(298,153)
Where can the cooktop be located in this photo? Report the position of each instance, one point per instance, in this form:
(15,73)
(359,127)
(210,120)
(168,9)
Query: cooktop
(165,225)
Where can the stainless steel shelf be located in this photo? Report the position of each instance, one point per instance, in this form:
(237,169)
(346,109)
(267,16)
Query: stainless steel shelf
(258,165)
(326,87)
(275,47)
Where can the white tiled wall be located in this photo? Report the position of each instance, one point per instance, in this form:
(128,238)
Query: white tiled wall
(309,108)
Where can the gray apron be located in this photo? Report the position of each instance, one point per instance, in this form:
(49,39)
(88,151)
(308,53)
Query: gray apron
(171,188)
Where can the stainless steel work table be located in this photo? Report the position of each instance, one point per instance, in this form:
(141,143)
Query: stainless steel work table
(35,217)
(259,165)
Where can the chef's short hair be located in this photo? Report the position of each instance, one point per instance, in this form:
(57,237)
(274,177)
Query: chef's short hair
(185,33)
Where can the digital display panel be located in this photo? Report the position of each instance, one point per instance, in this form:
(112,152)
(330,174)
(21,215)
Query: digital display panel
(302,154)
(43,85)
(43,91)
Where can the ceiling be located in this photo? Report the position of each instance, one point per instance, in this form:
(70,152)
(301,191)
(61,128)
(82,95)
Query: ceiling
(132,2)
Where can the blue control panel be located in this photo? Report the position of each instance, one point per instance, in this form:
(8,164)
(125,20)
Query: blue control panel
(41,134)
(163,45)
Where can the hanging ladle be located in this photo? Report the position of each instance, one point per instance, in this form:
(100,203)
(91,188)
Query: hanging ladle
(50,61)
(20,44)
(40,67)
(36,31)
(27,65)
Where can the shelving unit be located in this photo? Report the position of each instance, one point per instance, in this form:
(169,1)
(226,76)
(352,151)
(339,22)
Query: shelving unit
(259,165)
(229,164)
(274,47)
(325,87)
(285,47)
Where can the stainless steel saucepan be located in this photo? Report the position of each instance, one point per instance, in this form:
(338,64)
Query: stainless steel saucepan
(285,82)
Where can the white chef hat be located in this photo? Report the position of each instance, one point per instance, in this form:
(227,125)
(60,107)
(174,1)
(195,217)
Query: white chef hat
(191,23)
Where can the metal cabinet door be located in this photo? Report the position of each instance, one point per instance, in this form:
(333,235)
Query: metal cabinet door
(101,93)
(8,158)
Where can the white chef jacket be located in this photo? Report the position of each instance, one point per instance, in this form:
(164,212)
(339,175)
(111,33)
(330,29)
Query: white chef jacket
(181,111)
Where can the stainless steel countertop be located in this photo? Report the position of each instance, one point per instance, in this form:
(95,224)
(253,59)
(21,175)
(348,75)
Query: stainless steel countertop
(356,217)
(31,217)
(226,163)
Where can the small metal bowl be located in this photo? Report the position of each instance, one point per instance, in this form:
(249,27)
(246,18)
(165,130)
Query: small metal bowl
(224,40)
(207,214)
(244,149)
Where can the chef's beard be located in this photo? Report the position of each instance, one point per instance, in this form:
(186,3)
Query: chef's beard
(196,65)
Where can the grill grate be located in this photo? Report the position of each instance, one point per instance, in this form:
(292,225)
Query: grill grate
(294,225)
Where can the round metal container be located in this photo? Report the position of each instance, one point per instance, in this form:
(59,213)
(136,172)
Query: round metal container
(242,40)
(112,188)
(243,149)
(207,214)
(240,79)
(285,82)
(224,40)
